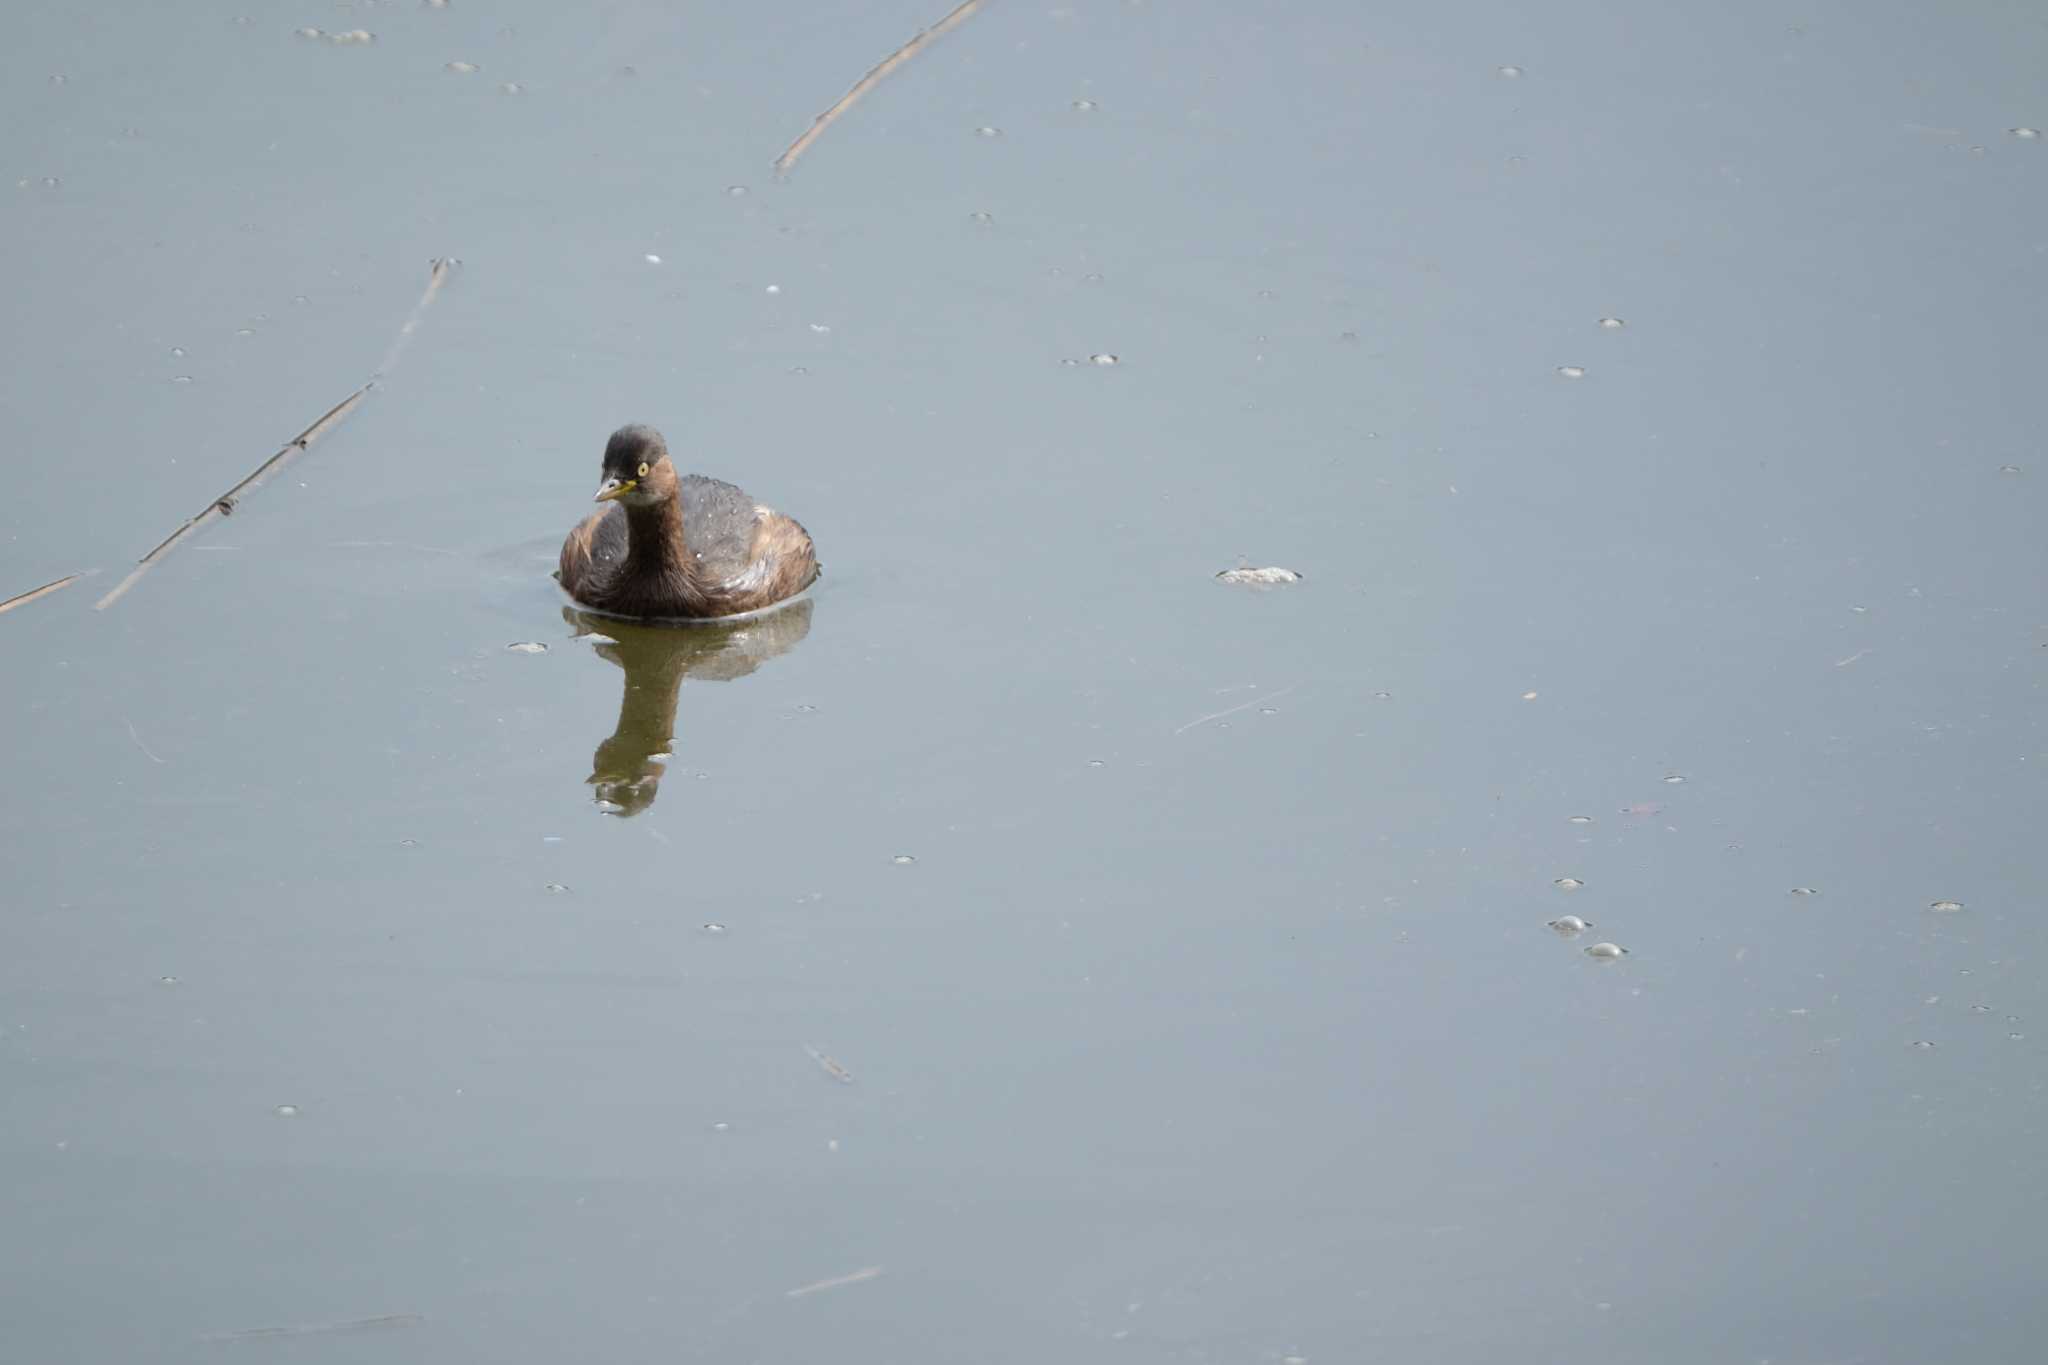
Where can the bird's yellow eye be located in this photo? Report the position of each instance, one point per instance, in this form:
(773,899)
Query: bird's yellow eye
(643,471)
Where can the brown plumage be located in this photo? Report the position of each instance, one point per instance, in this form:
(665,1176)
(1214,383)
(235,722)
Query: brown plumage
(688,547)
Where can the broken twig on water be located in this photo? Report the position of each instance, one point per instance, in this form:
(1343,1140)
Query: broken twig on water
(385,1323)
(1219,715)
(870,81)
(24,598)
(836,1282)
(225,504)
(830,1067)
(138,741)
(438,273)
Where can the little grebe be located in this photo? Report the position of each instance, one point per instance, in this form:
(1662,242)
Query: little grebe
(687,547)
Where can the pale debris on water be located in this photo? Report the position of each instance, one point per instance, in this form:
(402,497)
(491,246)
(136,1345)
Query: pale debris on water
(829,1066)
(1267,577)
(836,1282)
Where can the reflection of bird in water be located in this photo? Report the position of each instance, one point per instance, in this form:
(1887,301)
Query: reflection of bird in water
(627,768)
(679,548)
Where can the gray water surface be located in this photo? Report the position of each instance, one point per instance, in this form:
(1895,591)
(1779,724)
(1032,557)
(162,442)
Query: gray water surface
(1178,950)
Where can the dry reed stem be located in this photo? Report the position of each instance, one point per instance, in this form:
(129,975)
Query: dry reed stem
(870,81)
(22,599)
(225,504)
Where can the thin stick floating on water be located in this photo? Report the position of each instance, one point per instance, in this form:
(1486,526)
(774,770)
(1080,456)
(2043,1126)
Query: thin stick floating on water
(836,1282)
(22,599)
(1219,715)
(138,741)
(830,1067)
(870,81)
(226,503)
(438,273)
(385,1323)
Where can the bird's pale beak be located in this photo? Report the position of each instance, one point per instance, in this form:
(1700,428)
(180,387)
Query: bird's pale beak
(615,488)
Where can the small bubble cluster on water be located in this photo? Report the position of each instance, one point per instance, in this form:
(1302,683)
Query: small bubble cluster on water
(167,981)
(1674,778)
(714,928)
(1086,106)
(903,860)
(735,191)
(1572,371)
(986,131)
(462,68)
(1612,324)
(556,888)
(286,1111)
(1570,925)
(1104,358)
(1945,907)
(1581,819)
(1568,884)
(1511,72)
(1922,1044)
(982,216)
(1606,952)
(2009,469)
(2025,134)
(1805,891)
(181,379)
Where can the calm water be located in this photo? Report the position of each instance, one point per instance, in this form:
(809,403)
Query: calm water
(1214,1016)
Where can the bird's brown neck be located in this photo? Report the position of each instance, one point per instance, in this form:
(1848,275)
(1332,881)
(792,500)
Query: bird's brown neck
(658,559)
(655,535)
